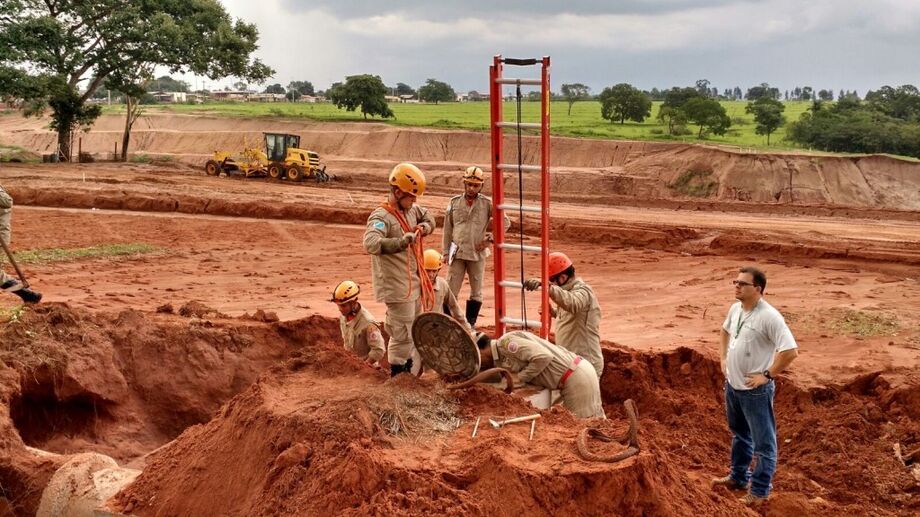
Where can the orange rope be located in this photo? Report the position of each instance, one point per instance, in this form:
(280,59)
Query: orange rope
(418,249)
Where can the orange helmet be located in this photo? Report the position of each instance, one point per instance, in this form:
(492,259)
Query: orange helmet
(408,178)
(473,175)
(432,260)
(558,262)
(346,291)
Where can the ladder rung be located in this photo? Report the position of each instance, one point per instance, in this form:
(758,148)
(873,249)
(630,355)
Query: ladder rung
(523,208)
(518,247)
(522,125)
(534,324)
(532,82)
(510,283)
(514,167)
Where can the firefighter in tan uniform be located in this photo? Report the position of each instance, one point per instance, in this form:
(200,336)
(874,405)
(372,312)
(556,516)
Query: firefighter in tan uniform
(8,283)
(537,361)
(360,330)
(467,225)
(444,300)
(577,311)
(393,237)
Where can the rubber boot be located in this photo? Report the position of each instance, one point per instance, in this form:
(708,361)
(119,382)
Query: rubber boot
(28,295)
(472,311)
(396,369)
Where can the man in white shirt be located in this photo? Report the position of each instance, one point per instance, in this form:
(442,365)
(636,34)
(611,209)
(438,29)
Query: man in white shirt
(755,346)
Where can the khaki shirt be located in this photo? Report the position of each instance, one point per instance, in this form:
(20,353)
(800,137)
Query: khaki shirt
(442,293)
(6,214)
(534,359)
(362,335)
(467,225)
(578,321)
(394,269)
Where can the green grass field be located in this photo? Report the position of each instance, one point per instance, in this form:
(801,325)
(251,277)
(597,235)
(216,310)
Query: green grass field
(585,120)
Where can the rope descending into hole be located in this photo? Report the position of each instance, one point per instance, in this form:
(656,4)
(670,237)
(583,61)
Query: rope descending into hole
(631,438)
(482,376)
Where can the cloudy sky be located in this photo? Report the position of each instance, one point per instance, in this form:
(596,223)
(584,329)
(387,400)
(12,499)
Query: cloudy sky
(849,44)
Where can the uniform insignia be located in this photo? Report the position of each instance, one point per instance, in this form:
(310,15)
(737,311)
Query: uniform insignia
(513,347)
(380,225)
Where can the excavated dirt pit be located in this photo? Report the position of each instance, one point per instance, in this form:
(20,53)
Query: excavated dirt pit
(266,418)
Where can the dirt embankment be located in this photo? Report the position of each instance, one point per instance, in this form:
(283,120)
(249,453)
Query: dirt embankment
(123,383)
(644,170)
(320,433)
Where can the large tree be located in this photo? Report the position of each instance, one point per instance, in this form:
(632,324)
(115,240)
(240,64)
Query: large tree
(275,88)
(709,114)
(768,114)
(436,91)
(763,90)
(404,89)
(57,53)
(624,101)
(677,97)
(301,87)
(361,91)
(574,92)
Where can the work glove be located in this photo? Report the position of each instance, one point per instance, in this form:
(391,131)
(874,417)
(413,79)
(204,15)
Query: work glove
(409,238)
(532,284)
(423,228)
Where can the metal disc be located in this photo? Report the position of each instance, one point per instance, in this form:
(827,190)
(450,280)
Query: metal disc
(445,346)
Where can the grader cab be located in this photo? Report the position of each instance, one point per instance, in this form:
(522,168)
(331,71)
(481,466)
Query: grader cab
(282,158)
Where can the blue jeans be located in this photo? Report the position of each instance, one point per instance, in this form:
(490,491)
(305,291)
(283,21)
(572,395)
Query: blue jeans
(750,418)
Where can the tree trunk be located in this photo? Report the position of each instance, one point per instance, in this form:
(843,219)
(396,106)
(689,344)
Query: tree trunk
(64,140)
(570,108)
(131,105)
(768,139)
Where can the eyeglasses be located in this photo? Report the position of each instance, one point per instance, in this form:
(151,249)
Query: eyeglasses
(740,283)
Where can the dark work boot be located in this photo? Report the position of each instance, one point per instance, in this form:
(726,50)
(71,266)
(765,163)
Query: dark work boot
(396,369)
(28,295)
(472,311)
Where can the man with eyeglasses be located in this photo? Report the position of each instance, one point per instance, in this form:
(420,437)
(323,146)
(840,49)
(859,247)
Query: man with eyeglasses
(756,345)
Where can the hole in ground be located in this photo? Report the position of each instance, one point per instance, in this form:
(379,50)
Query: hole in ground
(41,417)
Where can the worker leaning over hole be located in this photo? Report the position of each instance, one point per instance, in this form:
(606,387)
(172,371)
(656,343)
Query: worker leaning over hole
(467,237)
(444,300)
(577,312)
(360,330)
(537,361)
(393,237)
(8,283)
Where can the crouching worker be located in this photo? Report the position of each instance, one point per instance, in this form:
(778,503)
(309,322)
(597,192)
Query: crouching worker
(360,331)
(444,300)
(537,361)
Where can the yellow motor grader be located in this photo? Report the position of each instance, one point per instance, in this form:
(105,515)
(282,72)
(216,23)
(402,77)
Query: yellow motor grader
(282,158)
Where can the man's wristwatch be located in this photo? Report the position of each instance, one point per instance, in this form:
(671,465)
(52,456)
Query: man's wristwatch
(766,373)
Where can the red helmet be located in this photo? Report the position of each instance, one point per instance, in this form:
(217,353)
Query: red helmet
(558,262)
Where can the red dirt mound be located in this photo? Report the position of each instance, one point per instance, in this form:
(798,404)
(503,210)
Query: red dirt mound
(122,384)
(305,442)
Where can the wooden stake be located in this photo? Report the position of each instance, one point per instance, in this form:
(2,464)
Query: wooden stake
(476,427)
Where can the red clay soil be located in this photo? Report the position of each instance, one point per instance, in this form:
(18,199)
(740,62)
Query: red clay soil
(644,170)
(308,438)
(122,384)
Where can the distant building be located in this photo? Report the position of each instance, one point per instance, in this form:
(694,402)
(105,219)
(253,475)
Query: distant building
(267,97)
(231,95)
(170,97)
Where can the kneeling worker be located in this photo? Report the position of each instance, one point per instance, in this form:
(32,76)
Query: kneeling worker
(444,300)
(539,362)
(360,330)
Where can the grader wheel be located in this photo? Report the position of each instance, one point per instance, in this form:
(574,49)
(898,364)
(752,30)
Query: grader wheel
(295,173)
(275,171)
(212,168)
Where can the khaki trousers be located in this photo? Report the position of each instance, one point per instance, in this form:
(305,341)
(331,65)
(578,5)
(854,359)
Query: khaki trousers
(582,392)
(400,316)
(459,268)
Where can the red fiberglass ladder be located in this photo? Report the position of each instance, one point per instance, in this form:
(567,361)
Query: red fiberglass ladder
(499,167)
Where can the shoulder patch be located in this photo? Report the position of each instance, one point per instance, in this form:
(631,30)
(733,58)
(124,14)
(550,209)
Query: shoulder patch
(513,347)
(380,225)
